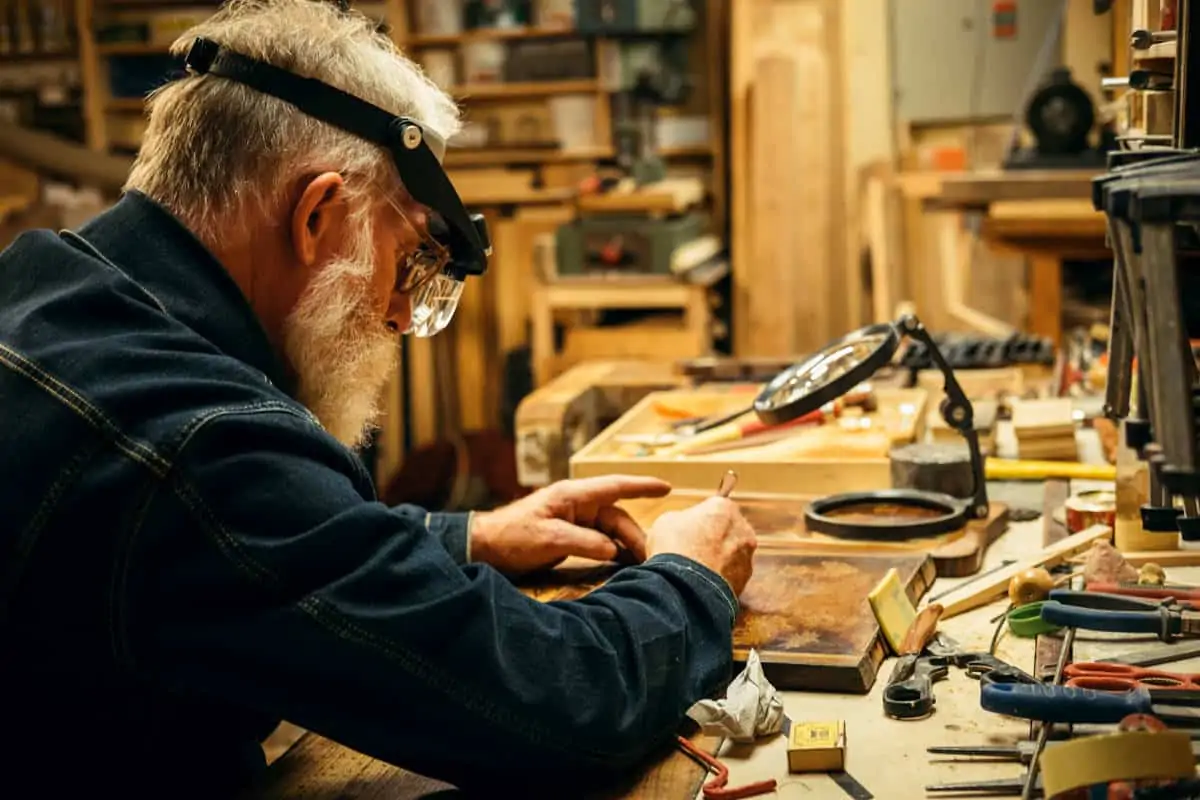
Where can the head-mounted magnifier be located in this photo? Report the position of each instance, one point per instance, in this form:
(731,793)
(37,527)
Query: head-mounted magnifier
(461,238)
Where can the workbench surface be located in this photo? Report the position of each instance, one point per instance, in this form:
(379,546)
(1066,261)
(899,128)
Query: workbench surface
(886,756)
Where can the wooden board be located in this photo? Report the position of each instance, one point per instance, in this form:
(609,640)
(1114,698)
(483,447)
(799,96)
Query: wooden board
(561,417)
(778,520)
(319,769)
(805,612)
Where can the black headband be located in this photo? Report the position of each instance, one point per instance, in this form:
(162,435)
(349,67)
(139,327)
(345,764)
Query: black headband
(414,149)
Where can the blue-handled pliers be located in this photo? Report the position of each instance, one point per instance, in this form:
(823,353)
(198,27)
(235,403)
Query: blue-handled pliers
(1114,613)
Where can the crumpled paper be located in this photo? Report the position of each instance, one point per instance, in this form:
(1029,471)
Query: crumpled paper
(751,708)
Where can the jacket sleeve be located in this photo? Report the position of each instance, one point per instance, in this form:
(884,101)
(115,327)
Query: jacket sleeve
(452,529)
(292,593)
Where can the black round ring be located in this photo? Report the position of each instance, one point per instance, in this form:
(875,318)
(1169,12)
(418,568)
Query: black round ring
(954,516)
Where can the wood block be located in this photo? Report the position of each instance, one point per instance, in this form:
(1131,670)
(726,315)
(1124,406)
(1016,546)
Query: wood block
(1045,418)
(806,613)
(818,460)
(559,418)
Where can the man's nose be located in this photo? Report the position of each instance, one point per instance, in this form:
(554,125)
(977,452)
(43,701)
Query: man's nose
(399,311)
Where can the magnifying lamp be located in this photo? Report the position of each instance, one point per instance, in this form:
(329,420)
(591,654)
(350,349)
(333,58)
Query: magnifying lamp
(886,513)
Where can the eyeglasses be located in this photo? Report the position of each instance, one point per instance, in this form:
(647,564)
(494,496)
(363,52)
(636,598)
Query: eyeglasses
(427,260)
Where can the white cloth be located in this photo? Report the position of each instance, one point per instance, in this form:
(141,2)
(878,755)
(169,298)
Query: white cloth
(751,707)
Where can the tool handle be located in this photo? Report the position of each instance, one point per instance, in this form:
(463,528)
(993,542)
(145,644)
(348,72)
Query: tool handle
(1049,703)
(909,694)
(1094,619)
(921,630)
(1149,592)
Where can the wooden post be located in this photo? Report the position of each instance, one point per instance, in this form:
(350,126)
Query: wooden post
(1045,296)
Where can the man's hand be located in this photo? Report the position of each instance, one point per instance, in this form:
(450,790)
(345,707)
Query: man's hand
(712,532)
(567,518)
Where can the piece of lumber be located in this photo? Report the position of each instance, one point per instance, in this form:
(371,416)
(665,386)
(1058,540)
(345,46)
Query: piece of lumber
(316,768)
(984,591)
(53,155)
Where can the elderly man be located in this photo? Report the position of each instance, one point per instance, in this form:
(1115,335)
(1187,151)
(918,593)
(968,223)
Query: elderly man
(192,552)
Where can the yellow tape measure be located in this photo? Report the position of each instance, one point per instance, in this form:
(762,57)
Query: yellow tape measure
(1098,760)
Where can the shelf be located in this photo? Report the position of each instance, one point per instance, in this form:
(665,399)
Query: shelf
(488,35)
(13,59)
(485,157)
(500,156)
(485,91)
(132,49)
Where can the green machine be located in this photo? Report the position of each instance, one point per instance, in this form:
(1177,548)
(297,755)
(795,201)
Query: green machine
(625,244)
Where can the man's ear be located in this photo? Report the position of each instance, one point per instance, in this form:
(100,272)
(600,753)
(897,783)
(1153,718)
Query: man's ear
(318,218)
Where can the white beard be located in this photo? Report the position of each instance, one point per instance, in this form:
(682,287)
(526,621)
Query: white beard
(342,353)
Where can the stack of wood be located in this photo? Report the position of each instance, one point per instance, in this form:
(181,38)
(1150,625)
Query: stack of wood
(1045,429)
(985,425)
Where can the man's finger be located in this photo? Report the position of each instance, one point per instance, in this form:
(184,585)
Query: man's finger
(604,490)
(572,540)
(617,523)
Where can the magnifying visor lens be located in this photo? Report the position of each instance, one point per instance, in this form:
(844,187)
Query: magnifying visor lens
(434,304)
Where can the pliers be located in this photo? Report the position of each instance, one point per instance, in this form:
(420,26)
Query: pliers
(1097,611)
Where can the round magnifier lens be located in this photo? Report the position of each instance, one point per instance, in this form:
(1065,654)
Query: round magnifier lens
(826,368)
(826,376)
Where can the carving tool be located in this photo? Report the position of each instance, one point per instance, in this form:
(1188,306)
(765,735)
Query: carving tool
(728,482)
(1002,787)
(909,692)
(736,431)
(1158,654)
(1033,781)
(978,576)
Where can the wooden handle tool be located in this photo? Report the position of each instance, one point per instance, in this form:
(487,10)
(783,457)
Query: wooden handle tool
(921,632)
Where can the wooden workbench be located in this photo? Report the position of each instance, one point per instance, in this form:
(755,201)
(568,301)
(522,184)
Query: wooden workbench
(886,756)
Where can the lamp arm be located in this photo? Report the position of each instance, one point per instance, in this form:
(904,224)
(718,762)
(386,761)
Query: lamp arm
(958,412)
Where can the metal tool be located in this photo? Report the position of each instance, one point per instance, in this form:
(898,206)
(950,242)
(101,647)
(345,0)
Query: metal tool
(909,691)
(1141,39)
(1066,704)
(1002,787)
(1095,611)
(1032,782)
(1180,594)
(1158,654)
(974,578)
(1120,677)
(1017,751)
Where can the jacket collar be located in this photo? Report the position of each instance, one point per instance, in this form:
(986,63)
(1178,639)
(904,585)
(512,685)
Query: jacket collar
(155,249)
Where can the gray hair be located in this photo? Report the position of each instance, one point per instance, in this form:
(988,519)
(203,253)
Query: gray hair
(216,153)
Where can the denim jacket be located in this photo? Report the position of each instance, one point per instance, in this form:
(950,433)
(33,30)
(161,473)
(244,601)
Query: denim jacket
(187,558)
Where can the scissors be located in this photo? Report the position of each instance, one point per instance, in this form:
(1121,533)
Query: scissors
(1106,677)
(1097,611)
